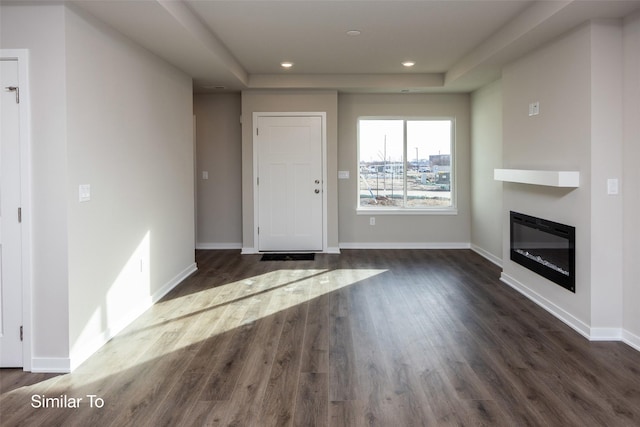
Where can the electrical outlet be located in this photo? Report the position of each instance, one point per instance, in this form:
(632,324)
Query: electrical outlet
(372,220)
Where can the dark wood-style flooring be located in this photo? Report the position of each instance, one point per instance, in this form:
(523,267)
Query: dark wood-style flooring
(368,337)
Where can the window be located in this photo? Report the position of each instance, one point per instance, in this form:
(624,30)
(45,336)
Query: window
(406,164)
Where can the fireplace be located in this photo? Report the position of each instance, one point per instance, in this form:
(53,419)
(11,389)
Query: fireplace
(545,247)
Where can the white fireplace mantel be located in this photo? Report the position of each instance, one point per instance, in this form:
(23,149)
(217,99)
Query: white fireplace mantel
(567,179)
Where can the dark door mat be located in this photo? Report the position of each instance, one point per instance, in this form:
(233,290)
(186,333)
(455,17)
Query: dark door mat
(288,257)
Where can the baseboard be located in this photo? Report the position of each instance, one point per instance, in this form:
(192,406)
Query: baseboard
(605,334)
(487,255)
(405,245)
(631,340)
(567,318)
(253,251)
(188,271)
(218,246)
(51,365)
(86,350)
(592,334)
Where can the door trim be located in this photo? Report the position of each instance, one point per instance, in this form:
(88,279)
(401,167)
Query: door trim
(22,57)
(256,207)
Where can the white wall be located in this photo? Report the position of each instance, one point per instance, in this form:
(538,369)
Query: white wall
(631,178)
(289,101)
(486,155)
(41,29)
(392,231)
(130,136)
(219,152)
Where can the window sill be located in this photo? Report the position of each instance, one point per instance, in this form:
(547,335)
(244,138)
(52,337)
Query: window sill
(395,211)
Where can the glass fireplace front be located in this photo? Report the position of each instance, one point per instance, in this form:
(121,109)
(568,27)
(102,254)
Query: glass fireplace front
(545,247)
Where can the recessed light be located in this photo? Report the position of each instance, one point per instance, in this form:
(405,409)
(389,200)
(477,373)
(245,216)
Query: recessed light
(408,64)
(286,64)
(353,33)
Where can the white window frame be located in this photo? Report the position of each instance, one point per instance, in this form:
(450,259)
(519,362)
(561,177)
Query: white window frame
(448,210)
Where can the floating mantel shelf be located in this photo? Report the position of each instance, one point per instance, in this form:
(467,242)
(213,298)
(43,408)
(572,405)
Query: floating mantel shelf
(570,179)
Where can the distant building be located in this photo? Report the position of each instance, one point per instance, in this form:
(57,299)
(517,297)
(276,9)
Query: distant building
(440,160)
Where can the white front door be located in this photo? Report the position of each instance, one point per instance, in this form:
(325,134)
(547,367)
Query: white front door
(290,183)
(10,231)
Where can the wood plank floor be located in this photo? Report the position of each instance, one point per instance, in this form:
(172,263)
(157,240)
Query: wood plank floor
(365,338)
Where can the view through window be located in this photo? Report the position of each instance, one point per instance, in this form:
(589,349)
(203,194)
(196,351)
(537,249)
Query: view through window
(405,163)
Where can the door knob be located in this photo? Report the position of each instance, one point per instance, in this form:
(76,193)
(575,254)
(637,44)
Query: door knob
(316,191)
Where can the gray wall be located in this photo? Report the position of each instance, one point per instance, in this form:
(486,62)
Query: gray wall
(121,121)
(130,135)
(40,28)
(398,230)
(578,81)
(558,76)
(486,155)
(219,152)
(631,178)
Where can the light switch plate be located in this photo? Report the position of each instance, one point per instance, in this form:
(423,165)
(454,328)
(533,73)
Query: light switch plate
(343,174)
(84,192)
(534,108)
(205,174)
(612,186)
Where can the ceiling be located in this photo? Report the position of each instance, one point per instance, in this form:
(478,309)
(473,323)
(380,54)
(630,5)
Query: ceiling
(457,45)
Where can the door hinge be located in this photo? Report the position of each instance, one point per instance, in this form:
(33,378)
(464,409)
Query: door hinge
(15,89)
(257,131)
(21,333)
(258,230)
(20,215)
(258,181)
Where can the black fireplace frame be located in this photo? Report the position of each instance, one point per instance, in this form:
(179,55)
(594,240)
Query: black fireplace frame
(565,231)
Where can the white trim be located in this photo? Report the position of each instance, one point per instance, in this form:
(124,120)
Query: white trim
(405,245)
(218,246)
(179,278)
(605,334)
(51,365)
(80,355)
(590,333)
(568,179)
(450,210)
(406,211)
(630,339)
(22,57)
(569,319)
(487,255)
(254,251)
(323,118)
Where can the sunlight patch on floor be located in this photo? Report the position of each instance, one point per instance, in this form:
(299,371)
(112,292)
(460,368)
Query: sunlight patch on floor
(177,323)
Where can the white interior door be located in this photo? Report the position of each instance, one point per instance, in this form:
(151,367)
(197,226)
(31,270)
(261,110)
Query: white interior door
(10,232)
(290,183)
